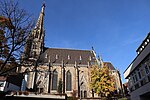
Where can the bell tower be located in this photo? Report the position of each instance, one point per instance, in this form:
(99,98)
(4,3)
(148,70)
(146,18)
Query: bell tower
(33,49)
(35,42)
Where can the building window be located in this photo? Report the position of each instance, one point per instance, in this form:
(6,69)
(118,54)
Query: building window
(136,79)
(85,94)
(68,81)
(146,69)
(81,94)
(139,74)
(130,82)
(142,73)
(133,79)
(54,80)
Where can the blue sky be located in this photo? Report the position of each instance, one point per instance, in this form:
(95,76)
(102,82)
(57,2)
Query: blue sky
(115,28)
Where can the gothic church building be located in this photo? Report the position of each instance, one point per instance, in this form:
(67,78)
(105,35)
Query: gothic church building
(53,70)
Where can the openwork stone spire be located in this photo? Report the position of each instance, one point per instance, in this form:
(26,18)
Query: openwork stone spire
(39,23)
(35,43)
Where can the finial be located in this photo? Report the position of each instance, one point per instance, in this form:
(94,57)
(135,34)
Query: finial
(43,3)
(43,7)
(92,48)
(100,57)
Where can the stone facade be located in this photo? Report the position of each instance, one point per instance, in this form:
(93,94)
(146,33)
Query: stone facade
(46,68)
(79,70)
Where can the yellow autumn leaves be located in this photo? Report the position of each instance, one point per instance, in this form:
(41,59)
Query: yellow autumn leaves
(101,81)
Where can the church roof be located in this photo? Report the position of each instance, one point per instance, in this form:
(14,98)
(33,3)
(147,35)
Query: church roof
(109,65)
(68,56)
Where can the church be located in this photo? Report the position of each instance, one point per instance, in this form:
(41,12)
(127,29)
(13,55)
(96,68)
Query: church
(56,70)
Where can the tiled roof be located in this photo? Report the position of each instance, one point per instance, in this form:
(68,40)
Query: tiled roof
(109,65)
(69,56)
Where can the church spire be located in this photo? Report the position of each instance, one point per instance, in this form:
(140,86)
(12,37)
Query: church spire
(36,43)
(38,35)
(40,20)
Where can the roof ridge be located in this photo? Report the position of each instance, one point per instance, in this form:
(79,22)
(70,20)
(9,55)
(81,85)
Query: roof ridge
(70,49)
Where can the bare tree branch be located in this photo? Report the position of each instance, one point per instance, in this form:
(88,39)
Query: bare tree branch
(16,28)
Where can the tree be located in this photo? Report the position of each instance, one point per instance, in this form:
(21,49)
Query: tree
(15,27)
(102,83)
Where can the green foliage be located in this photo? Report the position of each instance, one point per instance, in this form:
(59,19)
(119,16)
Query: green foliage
(101,80)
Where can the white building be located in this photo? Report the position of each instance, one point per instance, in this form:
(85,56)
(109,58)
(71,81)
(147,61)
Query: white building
(10,83)
(138,72)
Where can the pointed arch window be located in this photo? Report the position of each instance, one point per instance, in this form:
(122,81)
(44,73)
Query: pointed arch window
(68,81)
(54,80)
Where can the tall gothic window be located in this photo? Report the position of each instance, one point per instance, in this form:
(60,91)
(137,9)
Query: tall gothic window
(54,80)
(68,81)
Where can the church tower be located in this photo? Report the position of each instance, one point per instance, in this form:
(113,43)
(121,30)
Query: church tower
(35,42)
(33,49)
